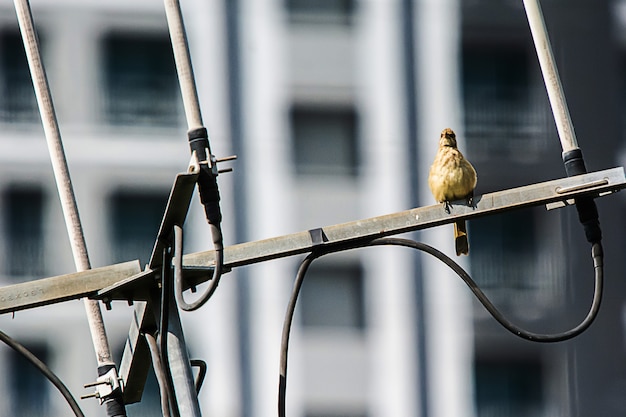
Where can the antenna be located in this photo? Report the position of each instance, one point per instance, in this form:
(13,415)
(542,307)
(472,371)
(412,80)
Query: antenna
(156,336)
(106,366)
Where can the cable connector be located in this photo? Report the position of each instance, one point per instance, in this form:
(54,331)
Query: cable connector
(206,166)
(586,206)
(106,385)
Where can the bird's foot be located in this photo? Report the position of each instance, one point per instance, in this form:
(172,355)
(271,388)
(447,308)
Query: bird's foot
(470,200)
(447,206)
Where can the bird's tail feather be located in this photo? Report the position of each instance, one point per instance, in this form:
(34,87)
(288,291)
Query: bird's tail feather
(460,238)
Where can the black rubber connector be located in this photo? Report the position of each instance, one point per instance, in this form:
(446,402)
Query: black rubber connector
(207,178)
(586,206)
(199,142)
(115,403)
(115,407)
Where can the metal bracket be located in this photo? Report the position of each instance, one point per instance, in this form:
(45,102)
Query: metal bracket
(105,385)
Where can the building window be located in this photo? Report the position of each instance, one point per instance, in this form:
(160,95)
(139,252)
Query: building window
(332,295)
(29,389)
(503,247)
(324,141)
(509,264)
(24,239)
(506,109)
(321,11)
(140,81)
(135,221)
(511,389)
(17,96)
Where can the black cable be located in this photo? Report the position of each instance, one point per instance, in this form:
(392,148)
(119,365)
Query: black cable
(597,255)
(284,344)
(160,374)
(218,245)
(202,368)
(166,286)
(210,199)
(45,370)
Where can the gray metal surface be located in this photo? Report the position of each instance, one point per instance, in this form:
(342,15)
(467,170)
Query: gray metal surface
(175,213)
(553,193)
(63,287)
(180,366)
(550,192)
(135,363)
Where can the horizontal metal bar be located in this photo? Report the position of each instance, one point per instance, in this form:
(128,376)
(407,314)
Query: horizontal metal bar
(594,184)
(89,283)
(135,283)
(63,287)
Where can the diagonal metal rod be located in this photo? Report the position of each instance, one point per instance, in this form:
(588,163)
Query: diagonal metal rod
(61,173)
(184,68)
(551,77)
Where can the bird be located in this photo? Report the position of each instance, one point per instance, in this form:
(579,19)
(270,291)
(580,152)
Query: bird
(452,177)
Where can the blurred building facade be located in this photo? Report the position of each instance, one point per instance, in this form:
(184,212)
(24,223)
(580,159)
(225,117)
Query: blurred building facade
(334,108)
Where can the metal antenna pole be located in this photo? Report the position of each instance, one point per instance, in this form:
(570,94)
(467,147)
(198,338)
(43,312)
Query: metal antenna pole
(199,146)
(64,184)
(551,78)
(572,155)
(183,64)
(182,376)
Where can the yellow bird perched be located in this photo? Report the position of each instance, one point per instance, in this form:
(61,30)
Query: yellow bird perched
(451,178)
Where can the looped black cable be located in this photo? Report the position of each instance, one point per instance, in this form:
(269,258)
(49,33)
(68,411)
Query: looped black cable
(210,199)
(202,368)
(597,255)
(178,270)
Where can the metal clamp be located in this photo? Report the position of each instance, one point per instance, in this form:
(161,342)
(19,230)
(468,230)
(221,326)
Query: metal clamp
(578,187)
(105,385)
